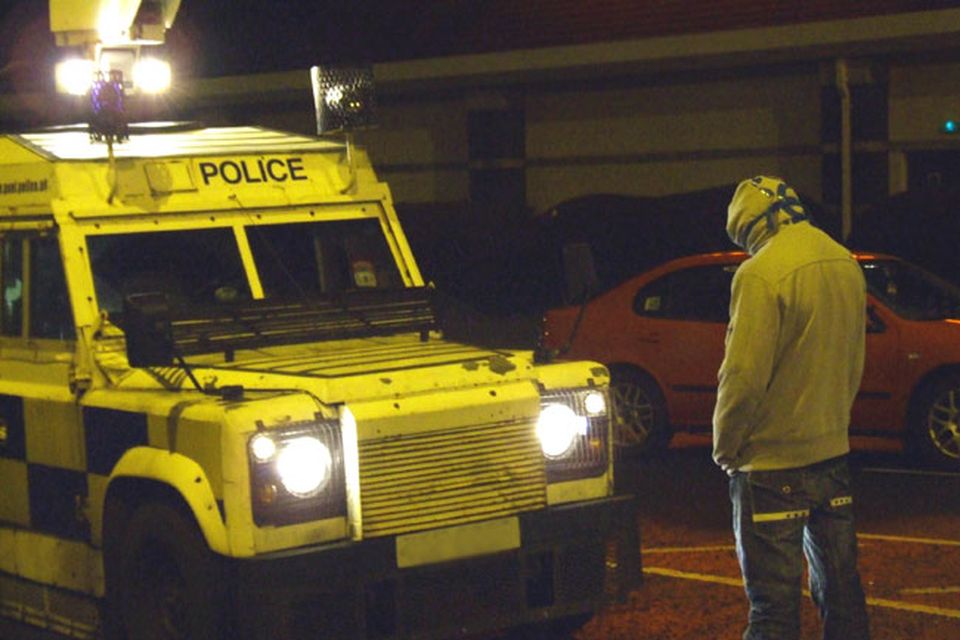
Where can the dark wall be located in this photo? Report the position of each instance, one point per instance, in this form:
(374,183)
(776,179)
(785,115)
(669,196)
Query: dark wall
(503,263)
(921,225)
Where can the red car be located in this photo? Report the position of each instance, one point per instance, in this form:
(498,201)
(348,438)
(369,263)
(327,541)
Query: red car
(661,334)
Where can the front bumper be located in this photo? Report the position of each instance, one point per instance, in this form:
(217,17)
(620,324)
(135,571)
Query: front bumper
(572,560)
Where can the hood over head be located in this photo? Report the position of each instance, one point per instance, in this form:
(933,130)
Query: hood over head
(759,207)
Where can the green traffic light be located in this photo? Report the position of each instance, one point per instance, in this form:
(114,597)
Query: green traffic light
(950,126)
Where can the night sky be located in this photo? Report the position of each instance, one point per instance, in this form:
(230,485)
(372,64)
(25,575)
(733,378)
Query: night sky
(244,36)
(213,38)
(230,37)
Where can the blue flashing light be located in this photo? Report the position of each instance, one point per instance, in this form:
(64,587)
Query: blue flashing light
(108,121)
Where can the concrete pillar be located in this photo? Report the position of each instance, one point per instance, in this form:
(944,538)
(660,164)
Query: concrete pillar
(855,138)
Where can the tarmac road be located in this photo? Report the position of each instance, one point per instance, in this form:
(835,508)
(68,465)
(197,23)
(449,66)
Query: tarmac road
(909,530)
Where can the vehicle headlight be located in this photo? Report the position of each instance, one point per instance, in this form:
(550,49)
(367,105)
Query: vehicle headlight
(297,473)
(573,429)
(558,428)
(595,403)
(263,447)
(304,466)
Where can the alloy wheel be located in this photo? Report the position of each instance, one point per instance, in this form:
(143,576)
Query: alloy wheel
(943,427)
(635,415)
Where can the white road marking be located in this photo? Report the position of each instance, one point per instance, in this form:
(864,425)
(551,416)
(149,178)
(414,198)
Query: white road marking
(874,602)
(699,577)
(930,591)
(716,547)
(943,612)
(943,542)
(935,541)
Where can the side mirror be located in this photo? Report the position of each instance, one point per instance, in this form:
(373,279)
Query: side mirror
(146,323)
(579,272)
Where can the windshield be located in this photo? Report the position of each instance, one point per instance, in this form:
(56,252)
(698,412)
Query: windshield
(202,267)
(192,267)
(317,259)
(911,292)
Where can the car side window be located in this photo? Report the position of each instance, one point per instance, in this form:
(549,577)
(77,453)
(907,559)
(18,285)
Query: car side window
(700,294)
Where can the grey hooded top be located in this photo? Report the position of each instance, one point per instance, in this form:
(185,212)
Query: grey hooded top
(795,341)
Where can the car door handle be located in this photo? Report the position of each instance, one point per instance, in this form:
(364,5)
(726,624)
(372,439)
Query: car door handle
(650,336)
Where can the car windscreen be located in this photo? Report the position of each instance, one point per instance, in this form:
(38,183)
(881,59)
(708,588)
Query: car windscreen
(910,291)
(191,267)
(318,259)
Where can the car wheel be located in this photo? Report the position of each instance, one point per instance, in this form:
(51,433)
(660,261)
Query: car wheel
(640,412)
(164,578)
(935,424)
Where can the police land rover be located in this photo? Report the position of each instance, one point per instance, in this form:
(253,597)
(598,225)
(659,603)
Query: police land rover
(226,408)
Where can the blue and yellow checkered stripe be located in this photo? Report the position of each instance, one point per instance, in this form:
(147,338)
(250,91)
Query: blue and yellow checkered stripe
(55,458)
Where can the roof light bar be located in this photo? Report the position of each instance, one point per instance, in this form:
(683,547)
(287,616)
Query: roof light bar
(149,75)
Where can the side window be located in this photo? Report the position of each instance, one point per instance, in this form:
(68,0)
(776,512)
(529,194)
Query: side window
(700,294)
(11,279)
(50,313)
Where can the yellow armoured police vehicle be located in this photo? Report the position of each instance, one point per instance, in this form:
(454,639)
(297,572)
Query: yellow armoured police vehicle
(227,411)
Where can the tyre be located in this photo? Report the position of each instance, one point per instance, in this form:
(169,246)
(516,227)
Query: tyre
(162,580)
(934,425)
(640,412)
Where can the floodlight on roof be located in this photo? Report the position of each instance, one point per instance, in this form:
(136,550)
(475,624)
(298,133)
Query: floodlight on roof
(146,74)
(151,75)
(343,98)
(74,76)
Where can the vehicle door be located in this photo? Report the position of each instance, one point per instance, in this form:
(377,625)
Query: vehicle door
(873,412)
(685,315)
(880,404)
(43,480)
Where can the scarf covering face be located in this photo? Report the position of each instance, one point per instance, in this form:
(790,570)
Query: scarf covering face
(759,207)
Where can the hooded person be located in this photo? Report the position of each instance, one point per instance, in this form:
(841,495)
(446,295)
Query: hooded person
(795,341)
(760,206)
(792,365)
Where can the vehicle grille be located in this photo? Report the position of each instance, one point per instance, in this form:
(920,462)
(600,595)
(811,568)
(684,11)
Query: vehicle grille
(449,477)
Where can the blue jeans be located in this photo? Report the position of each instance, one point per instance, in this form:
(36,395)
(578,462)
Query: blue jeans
(778,518)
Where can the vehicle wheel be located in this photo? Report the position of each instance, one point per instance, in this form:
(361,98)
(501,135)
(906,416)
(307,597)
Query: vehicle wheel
(162,579)
(934,429)
(640,412)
